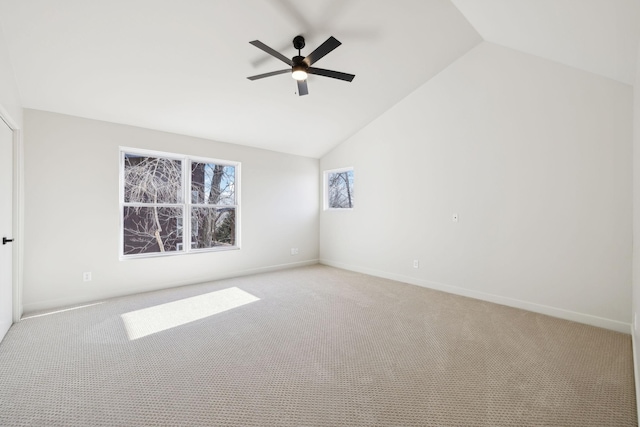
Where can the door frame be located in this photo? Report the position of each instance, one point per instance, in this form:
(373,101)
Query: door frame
(17,214)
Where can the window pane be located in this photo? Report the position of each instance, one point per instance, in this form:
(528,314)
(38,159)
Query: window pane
(213,184)
(152,179)
(213,227)
(152,229)
(340,189)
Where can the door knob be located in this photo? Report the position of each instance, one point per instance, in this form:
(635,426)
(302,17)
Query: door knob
(5,240)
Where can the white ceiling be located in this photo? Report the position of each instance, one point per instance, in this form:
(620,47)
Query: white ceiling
(182,66)
(599,36)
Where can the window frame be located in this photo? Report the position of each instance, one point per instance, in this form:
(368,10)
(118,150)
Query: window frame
(325,185)
(186,202)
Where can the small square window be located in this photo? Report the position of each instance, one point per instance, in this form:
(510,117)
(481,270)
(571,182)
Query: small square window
(338,185)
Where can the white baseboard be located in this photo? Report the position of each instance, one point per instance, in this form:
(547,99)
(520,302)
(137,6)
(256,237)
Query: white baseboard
(635,370)
(511,302)
(28,309)
(270,268)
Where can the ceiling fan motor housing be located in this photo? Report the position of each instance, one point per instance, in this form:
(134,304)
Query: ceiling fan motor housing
(299,63)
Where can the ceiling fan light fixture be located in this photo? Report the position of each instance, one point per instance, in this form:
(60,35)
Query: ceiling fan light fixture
(299,72)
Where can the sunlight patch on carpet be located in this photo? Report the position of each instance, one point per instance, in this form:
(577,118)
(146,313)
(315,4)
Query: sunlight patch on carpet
(49,313)
(147,321)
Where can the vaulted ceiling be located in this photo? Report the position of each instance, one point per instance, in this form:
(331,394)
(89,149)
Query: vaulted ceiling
(182,66)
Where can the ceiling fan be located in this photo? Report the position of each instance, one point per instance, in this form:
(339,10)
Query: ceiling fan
(302,66)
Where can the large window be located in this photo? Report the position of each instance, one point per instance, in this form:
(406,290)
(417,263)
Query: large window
(172,204)
(338,189)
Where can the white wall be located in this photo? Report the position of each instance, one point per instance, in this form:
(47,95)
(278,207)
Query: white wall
(72,213)
(534,156)
(9,96)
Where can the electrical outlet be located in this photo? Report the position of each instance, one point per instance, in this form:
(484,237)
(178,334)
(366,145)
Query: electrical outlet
(454,217)
(416,263)
(294,251)
(86,276)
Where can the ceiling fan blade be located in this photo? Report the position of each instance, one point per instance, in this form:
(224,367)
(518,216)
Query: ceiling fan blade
(302,88)
(272,52)
(273,73)
(330,73)
(322,50)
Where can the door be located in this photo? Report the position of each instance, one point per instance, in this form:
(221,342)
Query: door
(6,228)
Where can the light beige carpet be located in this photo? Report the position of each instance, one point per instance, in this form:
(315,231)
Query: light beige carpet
(313,346)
